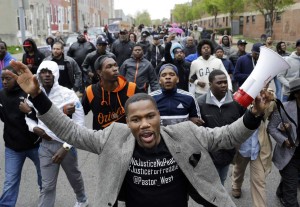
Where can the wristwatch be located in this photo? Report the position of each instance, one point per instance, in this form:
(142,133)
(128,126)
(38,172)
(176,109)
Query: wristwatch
(67,146)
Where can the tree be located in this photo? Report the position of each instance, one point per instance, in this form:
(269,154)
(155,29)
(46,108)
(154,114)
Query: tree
(143,18)
(212,7)
(269,9)
(232,7)
(181,12)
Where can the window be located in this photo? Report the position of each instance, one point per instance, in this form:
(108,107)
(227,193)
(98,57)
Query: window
(241,20)
(247,19)
(278,16)
(253,19)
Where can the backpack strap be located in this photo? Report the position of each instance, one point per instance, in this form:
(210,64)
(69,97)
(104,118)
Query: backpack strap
(89,93)
(131,89)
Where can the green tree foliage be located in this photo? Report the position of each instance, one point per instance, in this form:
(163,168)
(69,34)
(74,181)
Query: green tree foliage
(269,8)
(143,18)
(212,7)
(181,12)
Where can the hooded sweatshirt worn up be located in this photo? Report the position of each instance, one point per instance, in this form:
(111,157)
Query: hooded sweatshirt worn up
(35,59)
(59,96)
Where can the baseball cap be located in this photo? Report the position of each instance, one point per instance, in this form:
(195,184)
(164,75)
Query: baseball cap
(27,44)
(298,43)
(240,42)
(145,34)
(156,37)
(101,40)
(256,47)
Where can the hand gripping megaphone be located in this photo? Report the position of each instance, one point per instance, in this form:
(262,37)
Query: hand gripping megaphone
(268,65)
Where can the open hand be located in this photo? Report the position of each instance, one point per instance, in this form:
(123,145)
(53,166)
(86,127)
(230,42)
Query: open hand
(26,80)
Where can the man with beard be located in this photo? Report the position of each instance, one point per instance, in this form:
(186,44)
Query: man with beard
(122,47)
(139,70)
(78,51)
(69,71)
(32,56)
(145,45)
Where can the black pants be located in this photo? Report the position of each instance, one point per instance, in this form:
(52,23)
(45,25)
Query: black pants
(289,176)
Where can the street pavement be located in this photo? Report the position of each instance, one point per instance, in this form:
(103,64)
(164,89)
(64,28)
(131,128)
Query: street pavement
(65,197)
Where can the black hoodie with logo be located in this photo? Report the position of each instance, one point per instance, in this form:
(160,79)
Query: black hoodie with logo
(36,59)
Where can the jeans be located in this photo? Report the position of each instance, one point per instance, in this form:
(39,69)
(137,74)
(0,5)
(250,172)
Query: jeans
(223,171)
(14,162)
(278,87)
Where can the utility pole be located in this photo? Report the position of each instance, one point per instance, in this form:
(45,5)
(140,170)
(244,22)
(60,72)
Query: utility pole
(22,5)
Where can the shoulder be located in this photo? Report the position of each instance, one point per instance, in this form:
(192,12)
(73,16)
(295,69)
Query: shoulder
(155,93)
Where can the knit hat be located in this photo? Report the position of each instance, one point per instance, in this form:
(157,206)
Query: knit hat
(169,66)
(174,46)
(219,48)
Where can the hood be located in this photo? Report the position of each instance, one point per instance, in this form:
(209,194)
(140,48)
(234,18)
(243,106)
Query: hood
(32,42)
(122,83)
(52,66)
(50,37)
(228,41)
(174,46)
(294,55)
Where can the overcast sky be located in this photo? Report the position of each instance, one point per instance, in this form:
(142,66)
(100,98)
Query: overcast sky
(157,8)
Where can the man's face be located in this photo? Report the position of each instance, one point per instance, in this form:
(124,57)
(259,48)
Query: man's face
(255,55)
(28,48)
(179,54)
(137,52)
(219,86)
(206,50)
(123,36)
(168,79)
(283,46)
(101,48)
(219,54)
(57,51)
(242,47)
(225,41)
(81,38)
(2,50)
(269,40)
(298,50)
(189,41)
(156,41)
(47,78)
(8,82)
(143,119)
(109,70)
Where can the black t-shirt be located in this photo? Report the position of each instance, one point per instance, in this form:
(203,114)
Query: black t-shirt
(154,179)
(63,79)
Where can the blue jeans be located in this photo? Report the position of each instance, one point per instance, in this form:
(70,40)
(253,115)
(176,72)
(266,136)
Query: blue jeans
(14,162)
(223,171)
(278,87)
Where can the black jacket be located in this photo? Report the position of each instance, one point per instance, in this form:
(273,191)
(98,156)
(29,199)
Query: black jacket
(213,116)
(16,133)
(122,50)
(38,56)
(79,50)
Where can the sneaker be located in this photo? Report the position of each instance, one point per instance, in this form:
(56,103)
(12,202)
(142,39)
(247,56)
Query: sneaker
(236,193)
(81,204)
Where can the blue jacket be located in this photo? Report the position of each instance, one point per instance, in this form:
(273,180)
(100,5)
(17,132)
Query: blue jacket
(243,68)
(228,65)
(190,58)
(175,105)
(7,59)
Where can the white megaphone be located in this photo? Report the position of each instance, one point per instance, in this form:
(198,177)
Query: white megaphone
(268,65)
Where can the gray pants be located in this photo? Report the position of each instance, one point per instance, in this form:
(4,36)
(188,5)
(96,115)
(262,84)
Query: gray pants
(50,170)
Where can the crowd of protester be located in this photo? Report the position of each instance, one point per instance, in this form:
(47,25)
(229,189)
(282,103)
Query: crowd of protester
(191,75)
